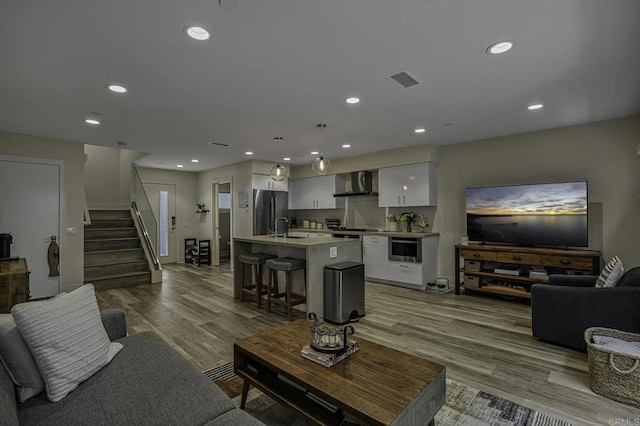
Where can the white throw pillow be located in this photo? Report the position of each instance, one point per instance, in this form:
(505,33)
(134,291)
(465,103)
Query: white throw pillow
(66,338)
(611,273)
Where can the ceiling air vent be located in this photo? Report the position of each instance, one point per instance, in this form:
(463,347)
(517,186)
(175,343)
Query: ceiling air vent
(405,79)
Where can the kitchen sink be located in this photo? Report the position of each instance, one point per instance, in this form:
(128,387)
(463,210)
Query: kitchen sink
(287,236)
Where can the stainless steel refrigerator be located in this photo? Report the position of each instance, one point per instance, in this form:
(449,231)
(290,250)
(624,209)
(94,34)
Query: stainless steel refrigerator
(267,206)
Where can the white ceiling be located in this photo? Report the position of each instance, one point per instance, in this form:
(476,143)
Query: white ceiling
(278,67)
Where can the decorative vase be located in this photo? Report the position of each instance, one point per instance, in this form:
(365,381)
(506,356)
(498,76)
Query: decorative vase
(393,226)
(408,226)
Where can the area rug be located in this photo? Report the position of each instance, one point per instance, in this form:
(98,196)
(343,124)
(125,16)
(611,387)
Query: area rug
(464,406)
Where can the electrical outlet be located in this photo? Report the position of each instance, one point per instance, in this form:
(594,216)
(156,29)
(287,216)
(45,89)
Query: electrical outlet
(71,230)
(333,252)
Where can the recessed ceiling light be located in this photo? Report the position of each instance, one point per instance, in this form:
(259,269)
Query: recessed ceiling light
(92,121)
(198,33)
(314,153)
(227,4)
(346,145)
(249,153)
(352,100)
(287,158)
(117,88)
(535,106)
(500,47)
(194,160)
(179,166)
(420,130)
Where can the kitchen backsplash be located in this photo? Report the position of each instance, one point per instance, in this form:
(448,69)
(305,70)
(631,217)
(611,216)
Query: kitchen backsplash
(362,212)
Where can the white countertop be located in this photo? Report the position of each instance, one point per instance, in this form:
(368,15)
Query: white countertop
(379,233)
(292,242)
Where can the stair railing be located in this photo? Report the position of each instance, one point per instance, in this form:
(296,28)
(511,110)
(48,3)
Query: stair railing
(145,234)
(141,208)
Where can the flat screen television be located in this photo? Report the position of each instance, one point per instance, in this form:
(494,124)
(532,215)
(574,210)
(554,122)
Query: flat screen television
(546,214)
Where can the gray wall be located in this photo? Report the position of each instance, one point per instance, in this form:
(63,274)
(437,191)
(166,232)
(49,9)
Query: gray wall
(602,153)
(107,173)
(187,220)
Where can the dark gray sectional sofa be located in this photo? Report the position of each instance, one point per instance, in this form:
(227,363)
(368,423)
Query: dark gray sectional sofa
(563,309)
(147,383)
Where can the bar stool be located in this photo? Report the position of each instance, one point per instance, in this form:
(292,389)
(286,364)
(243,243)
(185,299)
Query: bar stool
(256,260)
(287,265)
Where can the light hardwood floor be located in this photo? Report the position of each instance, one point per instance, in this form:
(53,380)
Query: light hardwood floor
(484,342)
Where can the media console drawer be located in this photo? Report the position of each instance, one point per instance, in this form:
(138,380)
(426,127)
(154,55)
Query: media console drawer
(523,258)
(568,262)
(478,254)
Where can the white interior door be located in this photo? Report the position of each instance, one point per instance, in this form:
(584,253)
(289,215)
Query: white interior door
(30,211)
(162,198)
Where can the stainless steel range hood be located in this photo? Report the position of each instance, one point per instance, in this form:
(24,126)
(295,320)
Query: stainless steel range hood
(358,183)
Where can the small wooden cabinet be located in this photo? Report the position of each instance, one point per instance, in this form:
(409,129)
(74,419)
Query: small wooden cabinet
(510,270)
(197,252)
(14,283)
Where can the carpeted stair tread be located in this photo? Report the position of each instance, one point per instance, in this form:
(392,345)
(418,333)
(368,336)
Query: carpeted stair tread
(111,239)
(116,250)
(115,262)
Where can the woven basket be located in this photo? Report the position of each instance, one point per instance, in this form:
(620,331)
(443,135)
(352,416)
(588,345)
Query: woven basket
(612,374)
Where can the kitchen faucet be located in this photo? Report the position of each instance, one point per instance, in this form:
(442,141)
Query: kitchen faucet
(275,224)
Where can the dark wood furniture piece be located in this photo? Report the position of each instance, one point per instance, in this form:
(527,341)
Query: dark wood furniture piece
(204,252)
(197,252)
(255,288)
(286,298)
(480,260)
(190,250)
(14,283)
(377,385)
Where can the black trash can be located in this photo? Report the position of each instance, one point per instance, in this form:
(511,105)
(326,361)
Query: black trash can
(343,292)
(5,246)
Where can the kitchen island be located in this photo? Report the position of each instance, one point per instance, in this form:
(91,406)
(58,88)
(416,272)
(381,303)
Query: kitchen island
(316,251)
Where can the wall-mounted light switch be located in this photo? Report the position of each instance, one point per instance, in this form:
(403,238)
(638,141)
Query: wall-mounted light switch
(333,252)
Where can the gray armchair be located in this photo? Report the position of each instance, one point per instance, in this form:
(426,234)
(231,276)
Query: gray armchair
(563,309)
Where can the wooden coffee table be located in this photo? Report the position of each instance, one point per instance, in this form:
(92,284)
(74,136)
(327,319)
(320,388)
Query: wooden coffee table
(377,385)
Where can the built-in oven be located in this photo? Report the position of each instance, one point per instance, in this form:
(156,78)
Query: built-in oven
(405,249)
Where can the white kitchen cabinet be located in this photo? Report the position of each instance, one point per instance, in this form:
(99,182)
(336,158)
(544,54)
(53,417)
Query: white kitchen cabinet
(412,185)
(319,235)
(375,255)
(413,275)
(405,272)
(265,182)
(316,193)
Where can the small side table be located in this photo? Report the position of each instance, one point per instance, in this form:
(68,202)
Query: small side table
(14,283)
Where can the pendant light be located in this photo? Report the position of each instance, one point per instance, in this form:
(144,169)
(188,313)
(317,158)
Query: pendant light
(278,172)
(321,165)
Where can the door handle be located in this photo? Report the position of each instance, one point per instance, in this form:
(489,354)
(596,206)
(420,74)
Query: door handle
(404,200)
(398,199)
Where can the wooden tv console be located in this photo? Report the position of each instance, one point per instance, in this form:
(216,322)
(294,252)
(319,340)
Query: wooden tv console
(504,270)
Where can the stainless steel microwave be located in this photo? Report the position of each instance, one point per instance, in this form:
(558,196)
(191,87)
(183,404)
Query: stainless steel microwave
(405,249)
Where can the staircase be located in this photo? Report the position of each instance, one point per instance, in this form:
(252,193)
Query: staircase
(113,254)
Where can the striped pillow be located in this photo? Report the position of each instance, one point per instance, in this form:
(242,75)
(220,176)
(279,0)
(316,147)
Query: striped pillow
(611,273)
(66,338)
